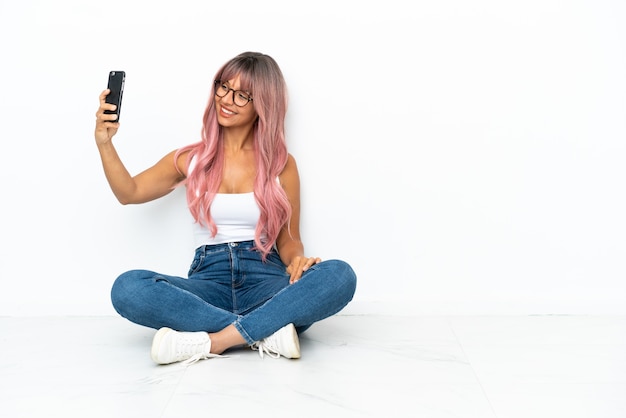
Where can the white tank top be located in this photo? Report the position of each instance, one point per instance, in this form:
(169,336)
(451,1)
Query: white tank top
(235,216)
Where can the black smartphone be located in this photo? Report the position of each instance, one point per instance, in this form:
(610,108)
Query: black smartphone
(116,85)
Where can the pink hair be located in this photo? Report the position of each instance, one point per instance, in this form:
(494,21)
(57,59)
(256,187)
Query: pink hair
(260,75)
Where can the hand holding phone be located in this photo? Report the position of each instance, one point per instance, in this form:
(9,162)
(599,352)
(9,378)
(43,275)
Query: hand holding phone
(116,87)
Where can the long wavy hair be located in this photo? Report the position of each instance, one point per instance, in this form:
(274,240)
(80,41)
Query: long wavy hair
(260,75)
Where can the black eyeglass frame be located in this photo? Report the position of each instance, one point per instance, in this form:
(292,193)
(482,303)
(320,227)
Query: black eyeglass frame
(219,83)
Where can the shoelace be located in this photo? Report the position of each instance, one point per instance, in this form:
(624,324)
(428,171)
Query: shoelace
(190,346)
(265,349)
(199,356)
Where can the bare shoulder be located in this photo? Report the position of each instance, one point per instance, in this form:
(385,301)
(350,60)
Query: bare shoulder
(289,177)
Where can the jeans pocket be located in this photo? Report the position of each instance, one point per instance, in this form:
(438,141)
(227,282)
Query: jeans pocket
(196,263)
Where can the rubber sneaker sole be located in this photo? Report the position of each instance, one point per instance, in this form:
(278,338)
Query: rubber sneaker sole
(289,336)
(156,345)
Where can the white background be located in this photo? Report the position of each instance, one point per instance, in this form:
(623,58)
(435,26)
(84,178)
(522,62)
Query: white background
(464,157)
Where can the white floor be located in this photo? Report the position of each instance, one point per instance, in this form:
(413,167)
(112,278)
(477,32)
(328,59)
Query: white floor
(351,366)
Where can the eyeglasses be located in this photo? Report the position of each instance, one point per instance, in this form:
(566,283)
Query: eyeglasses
(240,98)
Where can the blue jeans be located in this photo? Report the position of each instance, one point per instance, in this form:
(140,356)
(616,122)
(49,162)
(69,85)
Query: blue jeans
(230,284)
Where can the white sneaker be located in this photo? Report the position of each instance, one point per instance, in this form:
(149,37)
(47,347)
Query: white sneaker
(169,346)
(283,342)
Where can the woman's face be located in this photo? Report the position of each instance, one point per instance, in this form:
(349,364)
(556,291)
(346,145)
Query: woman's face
(229,114)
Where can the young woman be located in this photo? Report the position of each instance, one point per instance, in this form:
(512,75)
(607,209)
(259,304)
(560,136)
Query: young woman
(250,282)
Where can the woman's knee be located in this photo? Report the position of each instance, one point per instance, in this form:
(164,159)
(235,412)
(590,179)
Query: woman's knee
(125,286)
(342,274)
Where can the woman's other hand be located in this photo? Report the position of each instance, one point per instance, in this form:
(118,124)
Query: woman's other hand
(299,265)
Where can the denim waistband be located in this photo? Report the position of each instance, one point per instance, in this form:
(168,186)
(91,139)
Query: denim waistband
(246,245)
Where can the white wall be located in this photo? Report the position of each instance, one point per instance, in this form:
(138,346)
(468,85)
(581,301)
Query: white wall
(465,157)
